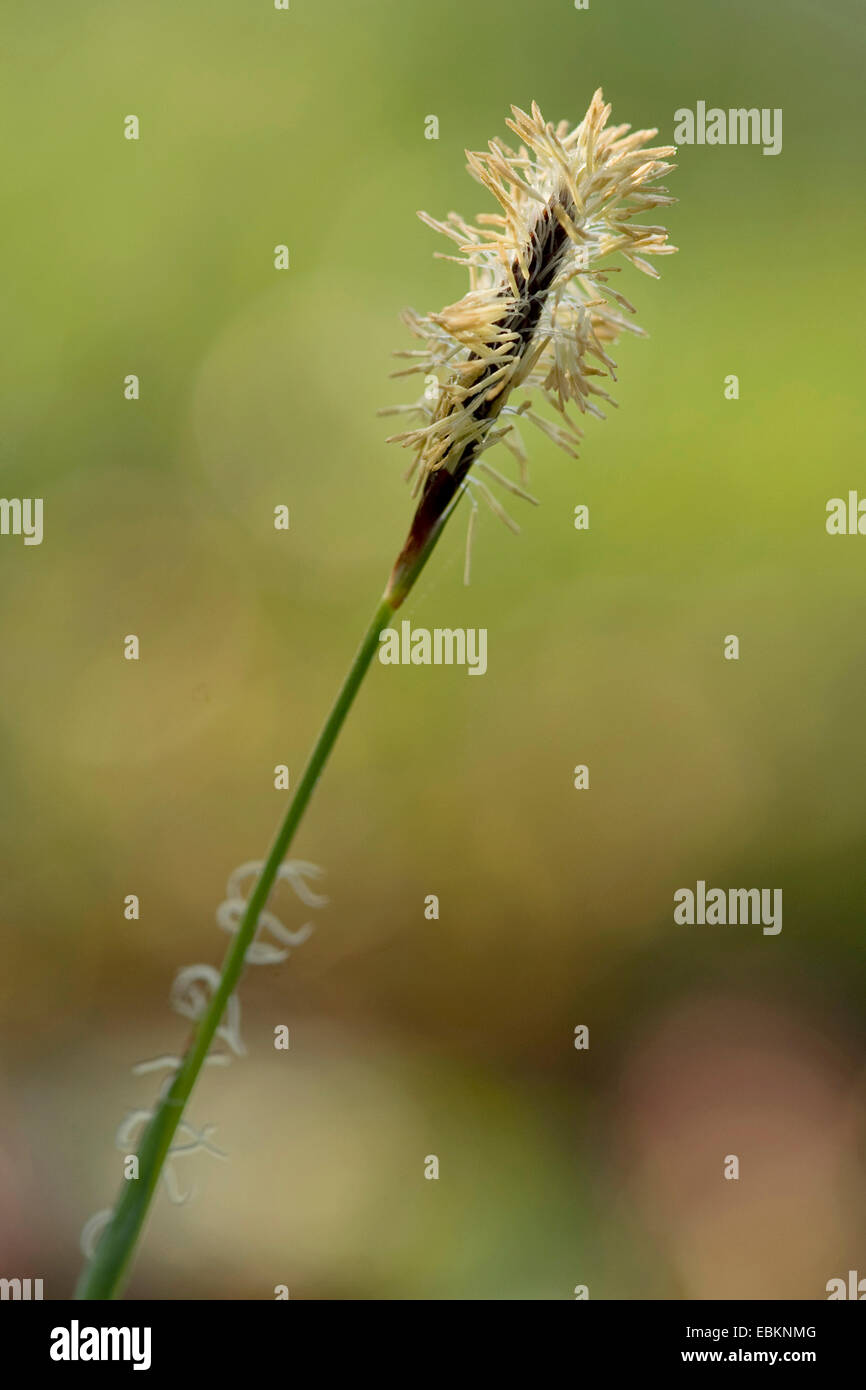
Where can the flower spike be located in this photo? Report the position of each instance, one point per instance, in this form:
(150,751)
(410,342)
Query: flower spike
(539,312)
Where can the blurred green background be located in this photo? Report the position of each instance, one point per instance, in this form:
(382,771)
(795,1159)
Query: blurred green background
(412,1037)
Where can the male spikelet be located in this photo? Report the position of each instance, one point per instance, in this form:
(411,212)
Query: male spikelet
(539,313)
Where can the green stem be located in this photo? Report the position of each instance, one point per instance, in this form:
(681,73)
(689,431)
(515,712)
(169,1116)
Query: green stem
(102,1277)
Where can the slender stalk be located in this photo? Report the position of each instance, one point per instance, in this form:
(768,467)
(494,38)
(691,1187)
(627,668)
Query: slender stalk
(103,1276)
(588,183)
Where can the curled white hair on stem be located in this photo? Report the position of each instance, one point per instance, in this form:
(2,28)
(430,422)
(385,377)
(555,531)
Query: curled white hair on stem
(192,990)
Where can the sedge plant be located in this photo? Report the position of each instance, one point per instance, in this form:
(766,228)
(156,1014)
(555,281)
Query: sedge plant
(534,327)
